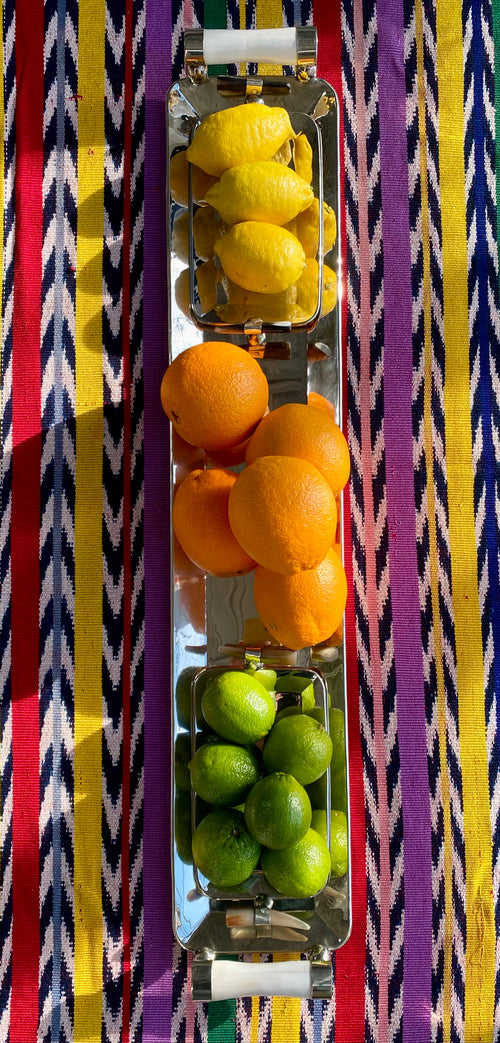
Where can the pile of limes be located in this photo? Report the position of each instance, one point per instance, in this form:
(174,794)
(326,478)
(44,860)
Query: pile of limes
(253,770)
(257,213)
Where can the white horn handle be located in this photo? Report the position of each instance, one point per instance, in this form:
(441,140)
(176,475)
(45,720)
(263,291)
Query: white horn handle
(275,46)
(226,979)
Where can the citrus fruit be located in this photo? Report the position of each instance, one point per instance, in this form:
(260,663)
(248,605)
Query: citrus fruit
(283,513)
(238,707)
(301,870)
(298,745)
(317,401)
(206,230)
(222,773)
(263,191)
(336,726)
(182,826)
(303,158)
(244,304)
(306,228)
(303,609)
(339,850)
(300,690)
(240,134)
(296,430)
(183,696)
(180,234)
(318,793)
(223,849)
(284,153)
(264,675)
(182,756)
(260,256)
(205,281)
(201,524)
(278,810)
(307,290)
(179,180)
(214,394)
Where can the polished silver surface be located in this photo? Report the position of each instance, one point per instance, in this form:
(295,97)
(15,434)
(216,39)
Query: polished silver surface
(209,615)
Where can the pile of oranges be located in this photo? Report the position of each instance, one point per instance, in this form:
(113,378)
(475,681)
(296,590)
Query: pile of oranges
(279,514)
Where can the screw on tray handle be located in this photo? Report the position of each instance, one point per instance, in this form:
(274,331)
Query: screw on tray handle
(219,979)
(296,46)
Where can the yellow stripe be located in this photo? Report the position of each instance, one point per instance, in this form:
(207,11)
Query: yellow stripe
(480,947)
(285,1012)
(88,526)
(269,15)
(433,557)
(255,1015)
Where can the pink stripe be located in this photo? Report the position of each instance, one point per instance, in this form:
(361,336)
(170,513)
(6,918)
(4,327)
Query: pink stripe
(188,17)
(369,533)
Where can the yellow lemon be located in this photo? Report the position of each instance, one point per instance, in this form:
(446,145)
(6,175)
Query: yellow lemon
(206,282)
(306,228)
(260,256)
(307,291)
(240,134)
(206,229)
(261,191)
(246,304)
(303,158)
(179,180)
(180,232)
(284,153)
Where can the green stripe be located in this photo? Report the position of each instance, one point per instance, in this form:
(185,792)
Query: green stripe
(215,17)
(221,1021)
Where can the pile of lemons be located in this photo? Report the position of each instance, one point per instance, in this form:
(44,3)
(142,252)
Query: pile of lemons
(256,228)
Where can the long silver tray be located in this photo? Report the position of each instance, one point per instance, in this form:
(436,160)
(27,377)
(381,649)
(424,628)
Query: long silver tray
(210,615)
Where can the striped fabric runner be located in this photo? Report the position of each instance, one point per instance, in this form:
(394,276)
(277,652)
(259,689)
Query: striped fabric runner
(86,945)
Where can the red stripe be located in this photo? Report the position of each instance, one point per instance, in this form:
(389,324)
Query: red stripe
(127,521)
(25,521)
(350,959)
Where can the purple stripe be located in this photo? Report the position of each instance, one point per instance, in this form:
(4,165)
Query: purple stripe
(157,1003)
(398,377)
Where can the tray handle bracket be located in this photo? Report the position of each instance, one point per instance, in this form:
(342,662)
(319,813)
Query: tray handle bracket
(296,46)
(219,979)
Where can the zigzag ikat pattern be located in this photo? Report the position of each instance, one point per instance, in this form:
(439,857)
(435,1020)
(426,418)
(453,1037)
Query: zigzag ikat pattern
(484,328)
(57,522)
(371,577)
(136,524)
(8,145)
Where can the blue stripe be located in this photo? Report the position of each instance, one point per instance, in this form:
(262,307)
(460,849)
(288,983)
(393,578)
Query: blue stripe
(57,522)
(488,454)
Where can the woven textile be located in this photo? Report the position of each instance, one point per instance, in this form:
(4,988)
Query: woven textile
(86,945)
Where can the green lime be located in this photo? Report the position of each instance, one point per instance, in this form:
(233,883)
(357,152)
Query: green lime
(263,674)
(278,810)
(336,725)
(222,773)
(182,827)
(300,871)
(338,791)
(295,685)
(238,707)
(338,838)
(183,697)
(223,849)
(182,756)
(298,745)
(317,792)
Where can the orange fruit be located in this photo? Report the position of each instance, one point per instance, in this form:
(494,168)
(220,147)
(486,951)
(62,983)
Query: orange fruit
(318,401)
(214,394)
(179,180)
(303,609)
(295,429)
(201,524)
(283,513)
